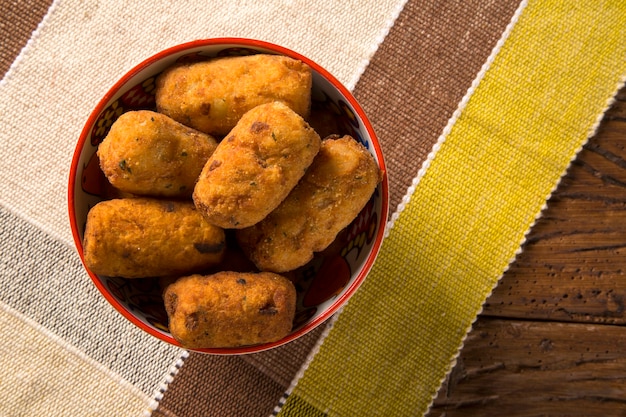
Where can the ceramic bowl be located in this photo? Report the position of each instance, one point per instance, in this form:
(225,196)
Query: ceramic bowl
(323,285)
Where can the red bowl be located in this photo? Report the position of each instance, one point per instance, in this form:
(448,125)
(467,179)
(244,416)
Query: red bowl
(324,285)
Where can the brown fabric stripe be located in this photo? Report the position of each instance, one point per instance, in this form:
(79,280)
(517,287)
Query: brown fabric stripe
(421,72)
(19,19)
(241,391)
(281,365)
(410,90)
(226,386)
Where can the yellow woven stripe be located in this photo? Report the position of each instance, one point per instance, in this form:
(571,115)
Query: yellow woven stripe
(536,105)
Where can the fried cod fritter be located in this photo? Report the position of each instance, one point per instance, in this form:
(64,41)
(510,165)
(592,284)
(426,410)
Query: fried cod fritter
(338,184)
(230,309)
(223,192)
(255,166)
(145,237)
(211,96)
(148,153)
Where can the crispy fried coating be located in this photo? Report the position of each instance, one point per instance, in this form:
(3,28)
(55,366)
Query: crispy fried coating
(146,237)
(340,181)
(230,309)
(148,153)
(255,166)
(211,96)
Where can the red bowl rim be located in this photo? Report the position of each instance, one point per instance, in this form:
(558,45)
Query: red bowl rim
(246,42)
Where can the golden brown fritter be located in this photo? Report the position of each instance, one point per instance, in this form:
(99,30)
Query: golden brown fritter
(230,309)
(211,96)
(145,237)
(338,184)
(148,153)
(255,166)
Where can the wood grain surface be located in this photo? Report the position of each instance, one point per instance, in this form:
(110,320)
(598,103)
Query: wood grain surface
(550,340)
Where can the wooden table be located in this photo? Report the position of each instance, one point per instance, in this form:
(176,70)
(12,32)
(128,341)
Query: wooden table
(550,340)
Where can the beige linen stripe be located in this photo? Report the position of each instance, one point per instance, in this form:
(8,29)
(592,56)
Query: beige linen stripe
(41,278)
(43,375)
(85,46)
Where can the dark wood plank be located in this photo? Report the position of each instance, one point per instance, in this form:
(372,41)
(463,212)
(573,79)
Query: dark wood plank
(573,267)
(528,368)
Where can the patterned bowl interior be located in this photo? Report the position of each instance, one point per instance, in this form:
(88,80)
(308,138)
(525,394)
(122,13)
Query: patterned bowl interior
(323,285)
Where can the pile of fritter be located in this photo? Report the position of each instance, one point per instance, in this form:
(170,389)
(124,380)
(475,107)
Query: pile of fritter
(228,151)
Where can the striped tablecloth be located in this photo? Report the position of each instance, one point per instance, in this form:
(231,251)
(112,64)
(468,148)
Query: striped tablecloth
(480,107)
